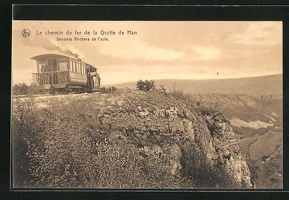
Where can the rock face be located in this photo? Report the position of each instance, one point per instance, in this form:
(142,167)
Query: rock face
(165,125)
(157,125)
(226,146)
(258,124)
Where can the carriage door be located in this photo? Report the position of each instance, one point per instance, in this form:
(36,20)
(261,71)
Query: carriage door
(96,82)
(52,65)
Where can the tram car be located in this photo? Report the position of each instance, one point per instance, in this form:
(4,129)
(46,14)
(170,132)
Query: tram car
(58,73)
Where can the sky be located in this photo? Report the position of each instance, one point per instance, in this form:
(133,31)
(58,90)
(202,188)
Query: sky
(157,50)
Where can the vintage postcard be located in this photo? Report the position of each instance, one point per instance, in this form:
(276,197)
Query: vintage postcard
(147,105)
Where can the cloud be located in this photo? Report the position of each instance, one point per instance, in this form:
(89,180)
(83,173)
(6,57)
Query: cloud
(259,33)
(130,72)
(205,53)
(201,53)
(139,50)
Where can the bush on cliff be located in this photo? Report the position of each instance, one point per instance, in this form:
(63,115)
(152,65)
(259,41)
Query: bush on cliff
(145,85)
(22,89)
(203,172)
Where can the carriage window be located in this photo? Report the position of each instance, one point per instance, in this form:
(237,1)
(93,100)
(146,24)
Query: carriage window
(40,67)
(63,66)
(73,66)
(52,65)
(70,65)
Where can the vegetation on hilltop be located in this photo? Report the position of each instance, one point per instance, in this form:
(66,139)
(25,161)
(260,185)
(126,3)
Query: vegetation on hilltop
(115,140)
(22,89)
(145,85)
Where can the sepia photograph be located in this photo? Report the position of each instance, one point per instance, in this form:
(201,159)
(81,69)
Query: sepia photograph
(138,105)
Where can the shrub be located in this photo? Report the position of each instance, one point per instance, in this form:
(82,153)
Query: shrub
(205,173)
(20,89)
(103,90)
(25,140)
(163,89)
(130,170)
(107,90)
(23,89)
(145,85)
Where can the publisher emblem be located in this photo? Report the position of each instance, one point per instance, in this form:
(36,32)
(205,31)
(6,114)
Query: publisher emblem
(26,33)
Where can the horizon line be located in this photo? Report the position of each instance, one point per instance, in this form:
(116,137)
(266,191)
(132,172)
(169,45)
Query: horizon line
(193,79)
(202,79)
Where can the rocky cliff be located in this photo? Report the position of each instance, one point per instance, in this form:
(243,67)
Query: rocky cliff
(160,114)
(164,137)
(226,146)
(258,124)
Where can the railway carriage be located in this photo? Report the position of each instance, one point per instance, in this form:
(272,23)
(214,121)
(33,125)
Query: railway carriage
(61,73)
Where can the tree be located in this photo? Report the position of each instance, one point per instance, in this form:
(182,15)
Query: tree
(145,85)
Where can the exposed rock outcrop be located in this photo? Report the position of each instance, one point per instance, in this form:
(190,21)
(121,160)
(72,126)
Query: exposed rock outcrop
(226,146)
(158,122)
(159,128)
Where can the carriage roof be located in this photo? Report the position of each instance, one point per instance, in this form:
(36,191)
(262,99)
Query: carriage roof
(47,56)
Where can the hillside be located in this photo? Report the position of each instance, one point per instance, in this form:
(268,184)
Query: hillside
(123,140)
(264,85)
